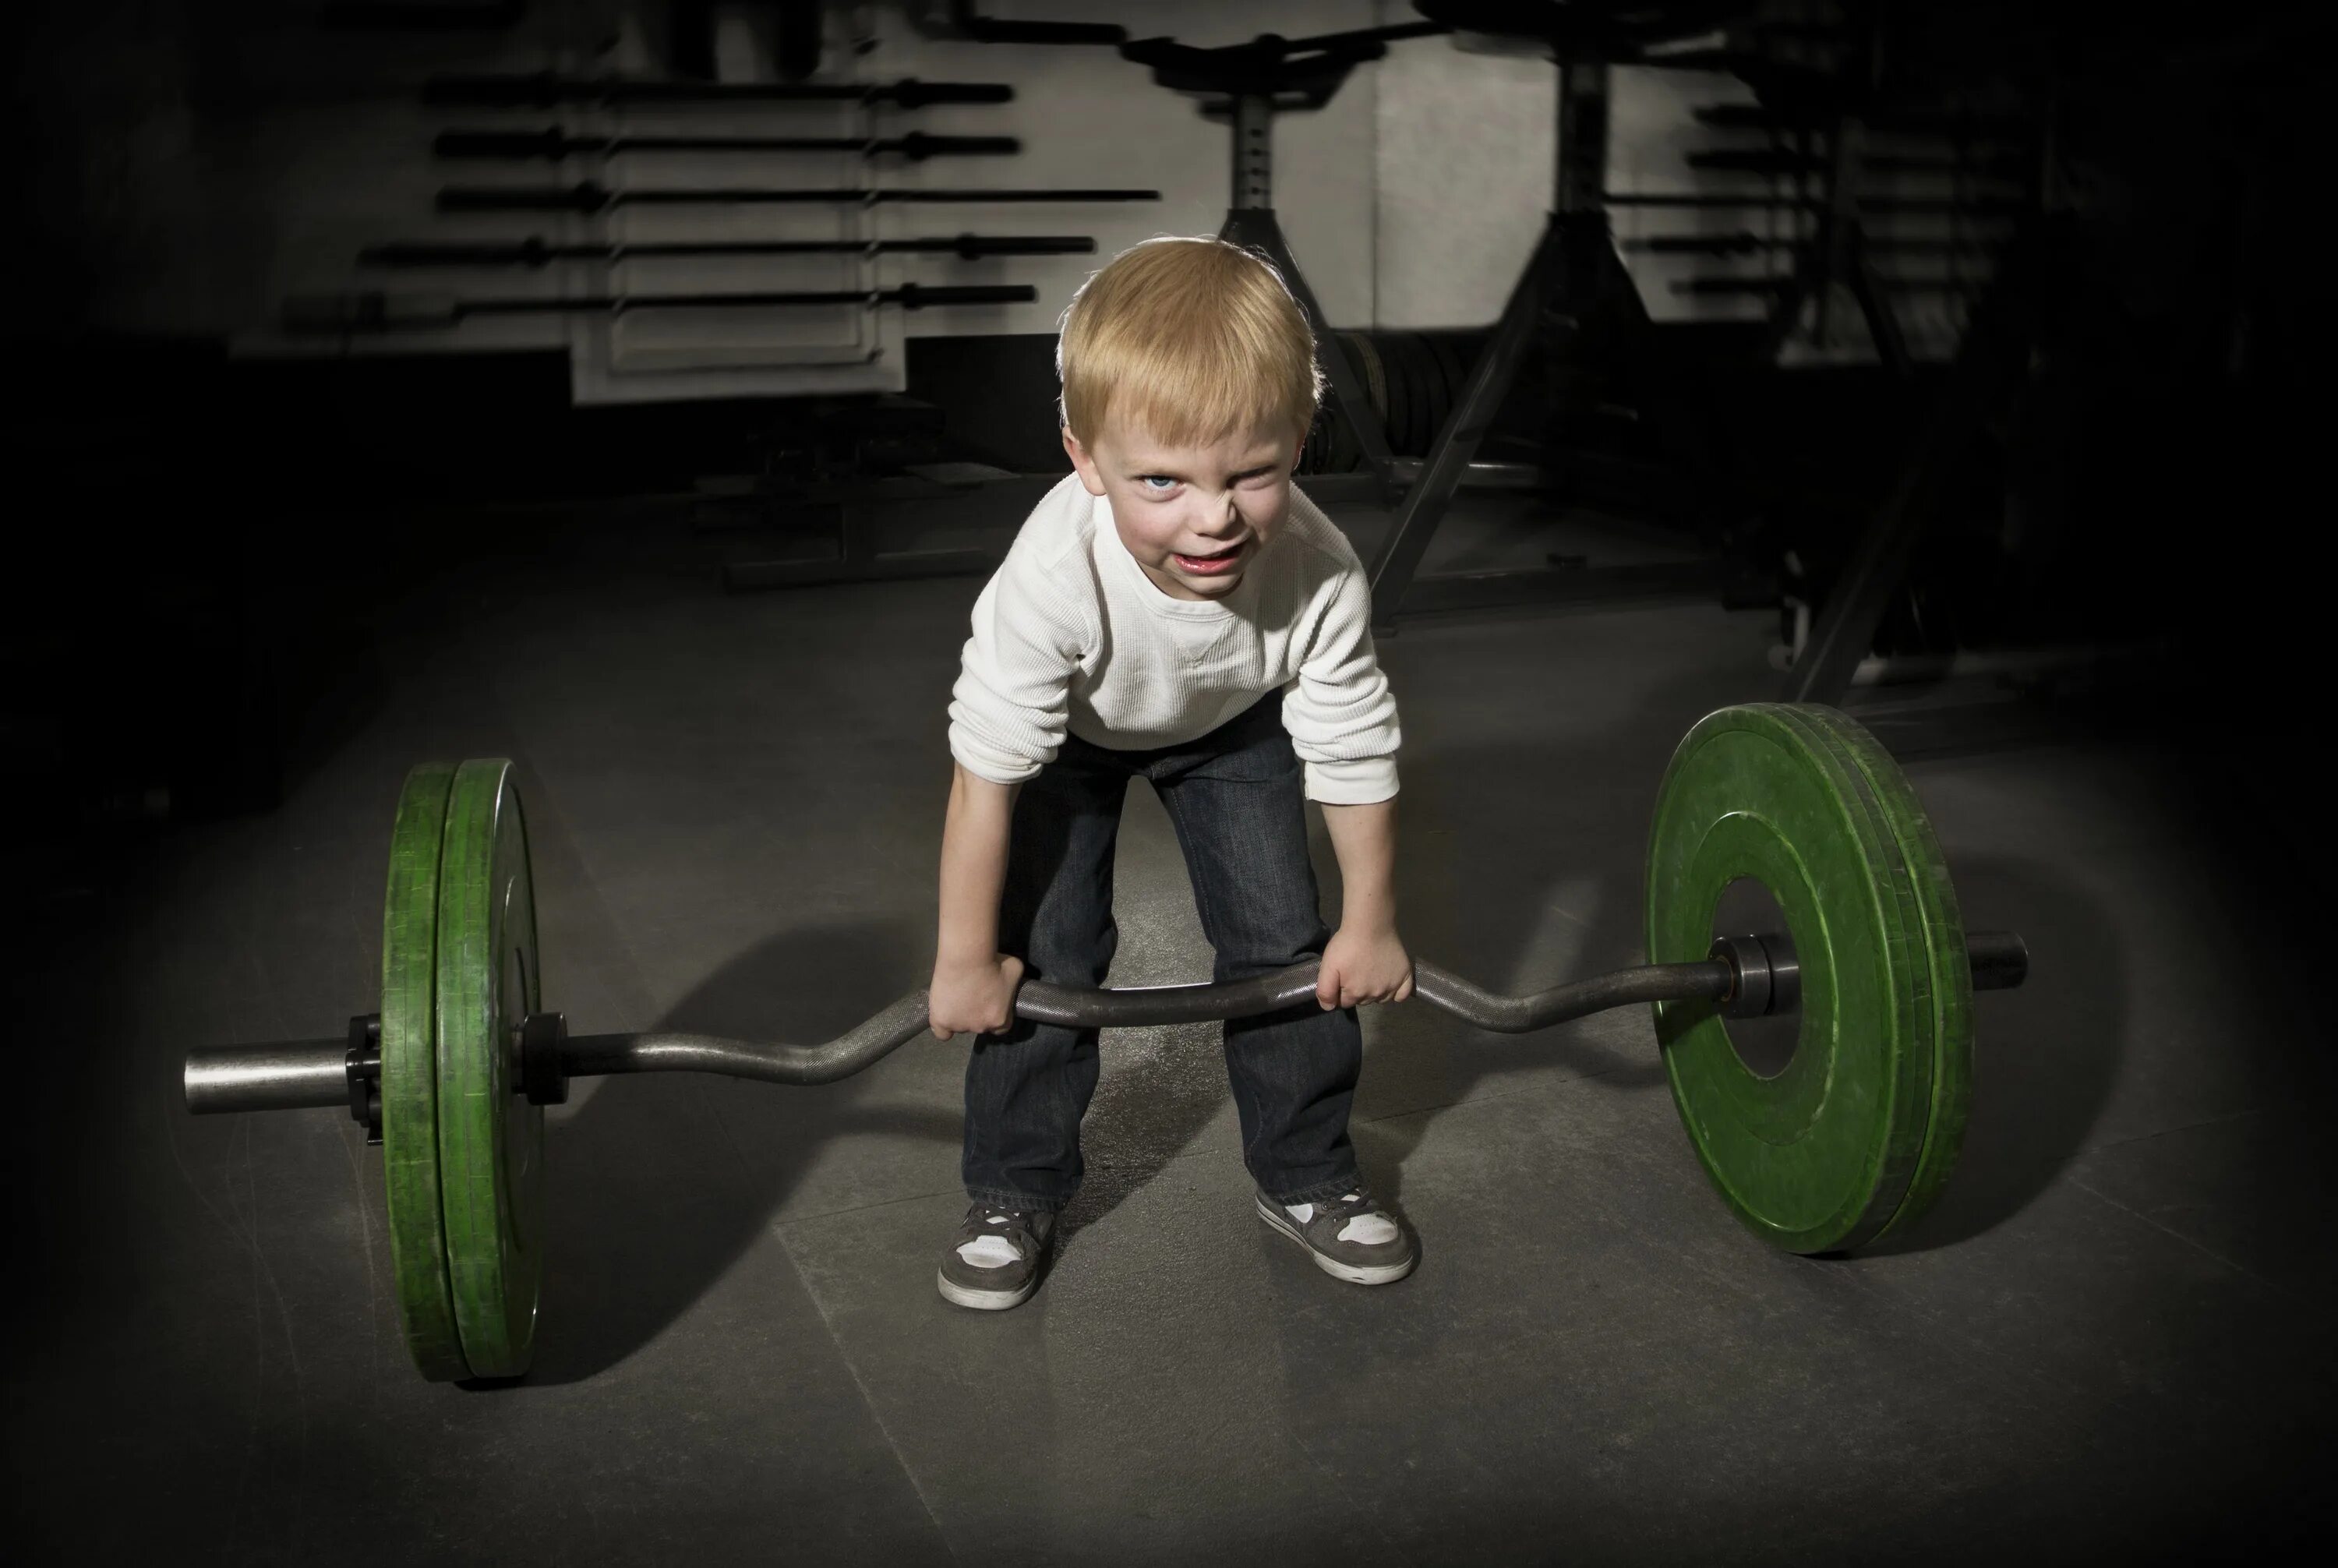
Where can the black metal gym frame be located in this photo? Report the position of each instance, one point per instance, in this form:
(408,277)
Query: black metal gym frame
(1248,84)
(1838,251)
(965,22)
(1991,360)
(1573,278)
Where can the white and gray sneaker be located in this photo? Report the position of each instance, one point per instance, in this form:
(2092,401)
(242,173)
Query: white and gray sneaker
(1351,1237)
(994,1260)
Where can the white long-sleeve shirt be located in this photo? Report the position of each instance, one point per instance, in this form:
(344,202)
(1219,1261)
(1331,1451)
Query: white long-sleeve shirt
(1071,635)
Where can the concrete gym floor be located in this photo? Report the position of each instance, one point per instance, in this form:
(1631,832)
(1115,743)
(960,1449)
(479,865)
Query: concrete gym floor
(2110,1337)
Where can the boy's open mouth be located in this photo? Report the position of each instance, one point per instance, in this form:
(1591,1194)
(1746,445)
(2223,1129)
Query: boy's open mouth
(1219,562)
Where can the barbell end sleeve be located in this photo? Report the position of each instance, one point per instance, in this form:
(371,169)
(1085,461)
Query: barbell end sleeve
(288,1075)
(2001,959)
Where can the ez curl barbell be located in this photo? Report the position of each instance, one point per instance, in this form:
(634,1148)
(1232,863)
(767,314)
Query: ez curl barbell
(1851,1139)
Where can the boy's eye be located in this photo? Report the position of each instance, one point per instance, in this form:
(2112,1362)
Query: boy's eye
(1160,484)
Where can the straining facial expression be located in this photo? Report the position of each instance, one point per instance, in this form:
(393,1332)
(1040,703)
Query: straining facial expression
(1189,383)
(1194,516)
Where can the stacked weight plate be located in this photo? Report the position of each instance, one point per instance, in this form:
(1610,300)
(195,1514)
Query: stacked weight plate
(465,1151)
(1856,1134)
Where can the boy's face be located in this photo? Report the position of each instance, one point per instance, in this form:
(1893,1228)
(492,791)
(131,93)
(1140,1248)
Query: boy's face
(1194,516)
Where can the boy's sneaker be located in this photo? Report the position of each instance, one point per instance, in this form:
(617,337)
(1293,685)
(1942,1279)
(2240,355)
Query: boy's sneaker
(1351,1237)
(993,1262)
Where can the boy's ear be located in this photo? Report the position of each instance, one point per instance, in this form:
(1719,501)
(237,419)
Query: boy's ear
(1083,464)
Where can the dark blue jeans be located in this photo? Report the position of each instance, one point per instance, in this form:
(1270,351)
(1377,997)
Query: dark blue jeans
(1234,798)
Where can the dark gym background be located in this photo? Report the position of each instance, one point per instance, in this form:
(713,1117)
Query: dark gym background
(254,574)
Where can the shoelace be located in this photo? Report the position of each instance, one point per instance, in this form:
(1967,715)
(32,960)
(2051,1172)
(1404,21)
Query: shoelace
(1350,1208)
(1011,1225)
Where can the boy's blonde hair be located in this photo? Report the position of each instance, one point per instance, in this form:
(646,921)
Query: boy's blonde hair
(1190,340)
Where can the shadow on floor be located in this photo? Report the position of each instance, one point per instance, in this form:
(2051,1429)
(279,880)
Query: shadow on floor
(1534,840)
(661,1186)
(661,1183)
(1552,817)
(2044,1056)
(1560,819)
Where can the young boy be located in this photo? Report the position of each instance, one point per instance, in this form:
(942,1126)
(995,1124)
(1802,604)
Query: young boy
(1172,611)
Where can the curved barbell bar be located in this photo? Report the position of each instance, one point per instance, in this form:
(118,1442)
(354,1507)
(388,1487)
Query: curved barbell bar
(303,1075)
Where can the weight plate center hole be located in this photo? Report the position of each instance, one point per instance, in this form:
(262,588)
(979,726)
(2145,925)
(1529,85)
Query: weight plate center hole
(1765,1045)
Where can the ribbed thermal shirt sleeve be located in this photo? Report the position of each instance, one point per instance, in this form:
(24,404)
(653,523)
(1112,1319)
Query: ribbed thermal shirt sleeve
(1009,707)
(1339,711)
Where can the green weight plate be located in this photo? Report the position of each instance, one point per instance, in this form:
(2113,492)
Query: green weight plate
(410,1074)
(1821,1157)
(490,1139)
(1951,969)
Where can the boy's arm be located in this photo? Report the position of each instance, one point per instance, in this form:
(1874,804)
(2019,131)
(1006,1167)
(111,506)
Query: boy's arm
(1009,713)
(1343,721)
(1338,706)
(1365,960)
(973,990)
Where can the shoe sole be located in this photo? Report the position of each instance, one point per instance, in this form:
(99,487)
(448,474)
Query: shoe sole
(1353,1273)
(984,1300)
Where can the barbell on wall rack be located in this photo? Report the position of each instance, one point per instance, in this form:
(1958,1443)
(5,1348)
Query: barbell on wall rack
(373,310)
(588,197)
(1747,243)
(555,144)
(1974,206)
(546,90)
(534,252)
(1850,1139)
